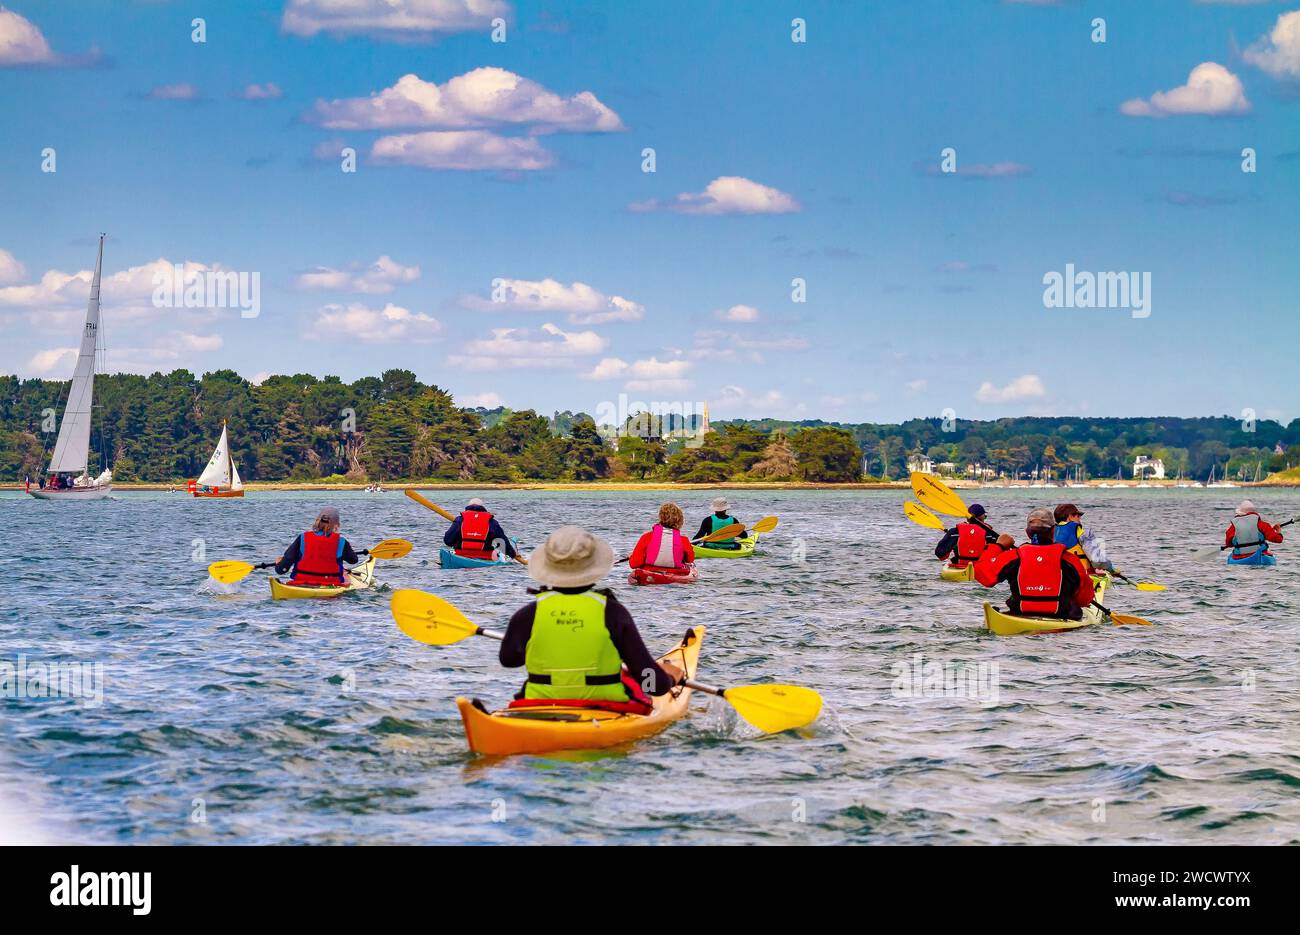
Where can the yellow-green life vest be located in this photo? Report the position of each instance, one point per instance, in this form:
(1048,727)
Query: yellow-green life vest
(716,523)
(571,654)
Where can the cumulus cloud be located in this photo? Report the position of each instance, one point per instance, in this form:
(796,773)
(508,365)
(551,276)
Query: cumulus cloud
(1278,53)
(22,44)
(1028,386)
(381,276)
(740,402)
(614,368)
(730,345)
(54,360)
(467,150)
(167,352)
(174,92)
(11,271)
(390,19)
(481,400)
(521,349)
(259,92)
(375,325)
(484,98)
(1210,89)
(584,304)
(916,386)
(728,194)
(738,313)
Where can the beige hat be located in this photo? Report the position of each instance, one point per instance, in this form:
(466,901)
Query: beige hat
(571,557)
(474,501)
(720,505)
(1042,517)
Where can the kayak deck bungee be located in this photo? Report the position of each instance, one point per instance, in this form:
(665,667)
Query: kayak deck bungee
(360,578)
(952,573)
(646,575)
(706,550)
(1259,557)
(1006,624)
(551,728)
(449,559)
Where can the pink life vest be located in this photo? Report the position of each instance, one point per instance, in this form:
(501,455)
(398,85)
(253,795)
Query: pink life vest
(662,552)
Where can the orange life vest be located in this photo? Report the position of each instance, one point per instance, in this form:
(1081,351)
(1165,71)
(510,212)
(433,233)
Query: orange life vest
(320,559)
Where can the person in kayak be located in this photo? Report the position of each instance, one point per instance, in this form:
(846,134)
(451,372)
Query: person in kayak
(477,534)
(317,555)
(966,541)
(664,547)
(575,639)
(1248,533)
(1084,544)
(718,520)
(1046,579)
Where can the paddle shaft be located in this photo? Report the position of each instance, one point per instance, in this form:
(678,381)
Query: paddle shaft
(429,505)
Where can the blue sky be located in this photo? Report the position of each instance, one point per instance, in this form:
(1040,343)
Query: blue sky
(775,160)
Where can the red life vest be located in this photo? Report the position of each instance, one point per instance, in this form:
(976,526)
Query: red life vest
(320,560)
(971,543)
(1040,581)
(474,526)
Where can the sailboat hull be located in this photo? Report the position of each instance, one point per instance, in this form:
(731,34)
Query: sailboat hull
(217,494)
(74,493)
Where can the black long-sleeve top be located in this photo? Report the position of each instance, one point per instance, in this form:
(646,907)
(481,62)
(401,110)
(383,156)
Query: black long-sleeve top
(294,553)
(622,630)
(706,527)
(496,534)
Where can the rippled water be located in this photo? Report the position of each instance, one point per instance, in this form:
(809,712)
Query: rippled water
(319,722)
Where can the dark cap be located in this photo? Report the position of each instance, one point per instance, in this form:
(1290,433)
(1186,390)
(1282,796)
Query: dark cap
(976,510)
(1065,511)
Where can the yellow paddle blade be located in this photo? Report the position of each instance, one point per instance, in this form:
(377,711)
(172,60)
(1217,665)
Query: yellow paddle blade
(935,494)
(921,516)
(774,708)
(1121,620)
(766,524)
(726,532)
(1150,586)
(429,619)
(229,572)
(429,504)
(391,548)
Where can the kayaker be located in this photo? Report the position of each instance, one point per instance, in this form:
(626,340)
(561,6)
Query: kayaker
(719,519)
(1248,533)
(477,534)
(1046,579)
(1088,547)
(317,556)
(967,541)
(575,639)
(664,546)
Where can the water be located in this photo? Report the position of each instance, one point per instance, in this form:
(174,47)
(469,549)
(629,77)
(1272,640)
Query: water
(320,722)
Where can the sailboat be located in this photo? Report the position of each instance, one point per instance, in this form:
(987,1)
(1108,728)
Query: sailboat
(220,478)
(68,477)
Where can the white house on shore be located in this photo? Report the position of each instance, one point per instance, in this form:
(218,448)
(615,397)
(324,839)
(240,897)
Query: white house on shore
(1145,468)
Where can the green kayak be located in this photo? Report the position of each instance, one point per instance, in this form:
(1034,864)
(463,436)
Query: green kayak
(746,549)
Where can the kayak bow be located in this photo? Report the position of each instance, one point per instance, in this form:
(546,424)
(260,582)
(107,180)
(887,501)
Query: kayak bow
(360,578)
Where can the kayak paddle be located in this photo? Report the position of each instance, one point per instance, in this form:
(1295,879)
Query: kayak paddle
(1121,619)
(937,495)
(429,504)
(766,524)
(228,572)
(921,516)
(427,618)
(1140,585)
(1214,552)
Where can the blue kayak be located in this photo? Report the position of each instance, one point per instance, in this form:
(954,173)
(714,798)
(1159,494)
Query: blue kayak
(1258,557)
(449,559)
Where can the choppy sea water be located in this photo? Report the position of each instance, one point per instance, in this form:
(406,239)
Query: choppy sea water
(229,718)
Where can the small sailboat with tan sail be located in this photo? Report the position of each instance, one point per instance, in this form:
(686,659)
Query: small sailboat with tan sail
(220,479)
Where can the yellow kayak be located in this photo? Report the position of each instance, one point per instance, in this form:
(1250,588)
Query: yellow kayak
(548,728)
(359,579)
(1005,624)
(965,573)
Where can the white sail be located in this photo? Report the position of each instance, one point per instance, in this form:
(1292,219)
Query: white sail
(217,473)
(73,446)
(235,482)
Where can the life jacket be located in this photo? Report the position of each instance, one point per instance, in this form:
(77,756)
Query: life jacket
(320,559)
(1070,534)
(664,550)
(972,540)
(1246,537)
(1040,581)
(721,522)
(474,526)
(570,653)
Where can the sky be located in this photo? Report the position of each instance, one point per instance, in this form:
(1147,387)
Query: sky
(851,216)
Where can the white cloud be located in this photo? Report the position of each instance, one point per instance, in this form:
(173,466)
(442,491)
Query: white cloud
(390,19)
(730,345)
(484,98)
(260,92)
(52,362)
(465,150)
(379,277)
(1029,386)
(651,373)
(916,386)
(482,400)
(738,313)
(21,43)
(174,92)
(585,304)
(1278,53)
(198,342)
(11,270)
(521,349)
(737,401)
(728,194)
(1211,89)
(167,352)
(374,326)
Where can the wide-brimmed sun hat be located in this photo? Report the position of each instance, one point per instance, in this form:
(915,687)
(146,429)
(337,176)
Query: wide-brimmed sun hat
(720,505)
(571,557)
